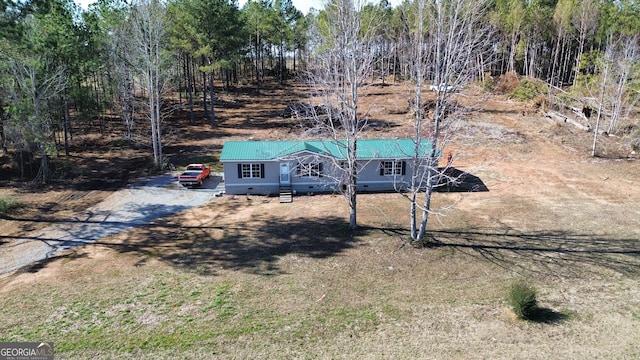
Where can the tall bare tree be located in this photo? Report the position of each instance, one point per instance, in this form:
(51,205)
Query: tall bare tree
(585,19)
(605,68)
(344,63)
(562,23)
(618,67)
(626,70)
(37,86)
(121,72)
(149,61)
(34,86)
(449,38)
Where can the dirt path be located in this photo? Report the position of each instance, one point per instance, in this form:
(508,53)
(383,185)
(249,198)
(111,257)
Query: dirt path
(138,204)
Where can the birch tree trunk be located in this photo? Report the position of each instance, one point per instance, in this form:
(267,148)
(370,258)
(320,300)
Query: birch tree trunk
(188,67)
(148,33)
(585,20)
(340,73)
(626,60)
(450,46)
(212,111)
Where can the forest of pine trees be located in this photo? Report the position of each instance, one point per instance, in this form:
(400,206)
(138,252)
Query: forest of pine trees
(61,65)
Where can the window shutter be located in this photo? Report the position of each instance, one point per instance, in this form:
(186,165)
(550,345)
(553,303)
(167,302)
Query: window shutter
(262,170)
(381,168)
(320,169)
(404,167)
(239,171)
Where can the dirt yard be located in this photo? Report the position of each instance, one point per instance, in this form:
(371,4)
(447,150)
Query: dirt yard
(248,277)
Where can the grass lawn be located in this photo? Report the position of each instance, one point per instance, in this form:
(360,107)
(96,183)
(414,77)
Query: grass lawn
(264,286)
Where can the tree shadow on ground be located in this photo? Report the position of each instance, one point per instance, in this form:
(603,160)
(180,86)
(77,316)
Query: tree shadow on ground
(95,225)
(206,248)
(255,247)
(39,265)
(558,252)
(545,252)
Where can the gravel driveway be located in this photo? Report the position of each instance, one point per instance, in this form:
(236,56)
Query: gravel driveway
(138,204)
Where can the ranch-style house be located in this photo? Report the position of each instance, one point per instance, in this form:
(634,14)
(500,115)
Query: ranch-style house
(304,166)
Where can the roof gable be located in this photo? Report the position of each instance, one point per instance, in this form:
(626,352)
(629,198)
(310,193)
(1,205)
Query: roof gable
(367,149)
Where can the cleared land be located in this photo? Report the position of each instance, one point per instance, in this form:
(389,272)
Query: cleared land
(247,277)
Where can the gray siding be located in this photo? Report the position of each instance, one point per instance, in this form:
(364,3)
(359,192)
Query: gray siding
(259,186)
(369,179)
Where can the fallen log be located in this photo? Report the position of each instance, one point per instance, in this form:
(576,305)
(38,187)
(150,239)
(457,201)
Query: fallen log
(565,119)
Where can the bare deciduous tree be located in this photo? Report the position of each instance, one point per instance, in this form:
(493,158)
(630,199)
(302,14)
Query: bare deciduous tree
(618,66)
(37,85)
(625,70)
(585,20)
(34,87)
(122,78)
(605,68)
(562,23)
(150,62)
(344,63)
(449,40)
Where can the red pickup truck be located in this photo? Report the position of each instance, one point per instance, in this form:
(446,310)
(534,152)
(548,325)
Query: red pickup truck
(194,175)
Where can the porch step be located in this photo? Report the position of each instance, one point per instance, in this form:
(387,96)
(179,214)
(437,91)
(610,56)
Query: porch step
(286,195)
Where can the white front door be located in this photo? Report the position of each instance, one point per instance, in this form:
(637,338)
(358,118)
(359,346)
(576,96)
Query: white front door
(285,174)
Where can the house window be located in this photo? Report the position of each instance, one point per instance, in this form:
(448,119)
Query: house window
(313,169)
(250,171)
(389,168)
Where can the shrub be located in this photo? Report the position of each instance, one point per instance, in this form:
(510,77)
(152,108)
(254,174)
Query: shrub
(528,89)
(522,299)
(7,204)
(506,83)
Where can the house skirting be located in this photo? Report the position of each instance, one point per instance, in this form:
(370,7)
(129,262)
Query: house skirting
(273,189)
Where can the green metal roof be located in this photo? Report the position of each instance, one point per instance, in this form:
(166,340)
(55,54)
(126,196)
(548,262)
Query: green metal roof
(254,150)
